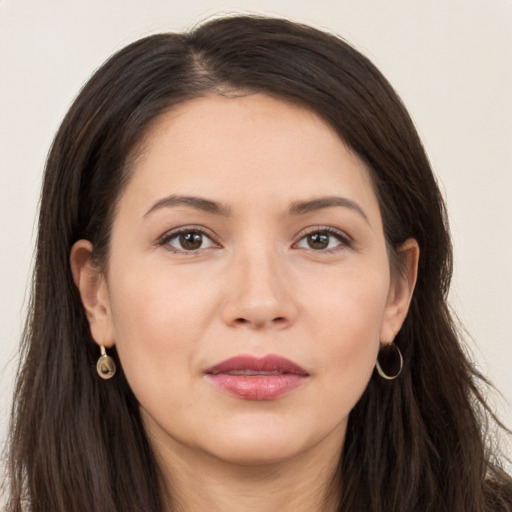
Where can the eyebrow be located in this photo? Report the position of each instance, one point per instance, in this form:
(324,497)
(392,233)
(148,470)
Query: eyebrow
(199,203)
(296,208)
(303,207)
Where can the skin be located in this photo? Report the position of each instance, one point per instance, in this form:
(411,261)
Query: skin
(255,285)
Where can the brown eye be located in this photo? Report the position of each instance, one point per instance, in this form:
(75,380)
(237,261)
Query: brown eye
(326,240)
(191,241)
(318,240)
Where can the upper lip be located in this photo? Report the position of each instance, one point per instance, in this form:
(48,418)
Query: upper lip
(257,365)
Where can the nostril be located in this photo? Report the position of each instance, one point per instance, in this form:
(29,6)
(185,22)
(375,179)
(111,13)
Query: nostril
(278,320)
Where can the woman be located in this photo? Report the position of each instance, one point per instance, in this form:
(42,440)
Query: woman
(240,293)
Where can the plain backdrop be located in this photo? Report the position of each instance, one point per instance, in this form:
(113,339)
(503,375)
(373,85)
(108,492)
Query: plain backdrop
(450,61)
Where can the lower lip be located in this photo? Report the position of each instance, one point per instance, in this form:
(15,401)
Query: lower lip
(257,387)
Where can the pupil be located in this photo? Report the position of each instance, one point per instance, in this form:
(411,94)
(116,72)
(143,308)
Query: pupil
(191,240)
(318,240)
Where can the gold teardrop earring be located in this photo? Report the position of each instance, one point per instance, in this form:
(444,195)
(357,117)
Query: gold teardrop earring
(106,366)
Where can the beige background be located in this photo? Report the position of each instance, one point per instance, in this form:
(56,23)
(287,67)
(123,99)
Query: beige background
(450,60)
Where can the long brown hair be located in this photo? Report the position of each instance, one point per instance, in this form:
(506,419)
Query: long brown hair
(77,443)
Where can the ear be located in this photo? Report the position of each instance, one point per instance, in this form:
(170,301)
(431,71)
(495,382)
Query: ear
(93,290)
(400,290)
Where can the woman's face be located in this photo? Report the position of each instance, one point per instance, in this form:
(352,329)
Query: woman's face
(248,284)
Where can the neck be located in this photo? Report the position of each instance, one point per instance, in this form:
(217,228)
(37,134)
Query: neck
(200,482)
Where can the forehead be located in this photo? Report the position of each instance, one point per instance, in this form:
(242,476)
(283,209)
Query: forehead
(248,149)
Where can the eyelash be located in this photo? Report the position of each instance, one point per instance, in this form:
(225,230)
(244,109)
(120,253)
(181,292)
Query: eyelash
(343,239)
(165,240)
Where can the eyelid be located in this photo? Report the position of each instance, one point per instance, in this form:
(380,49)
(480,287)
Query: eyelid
(163,240)
(344,239)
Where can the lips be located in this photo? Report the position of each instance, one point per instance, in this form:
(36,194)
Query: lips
(253,378)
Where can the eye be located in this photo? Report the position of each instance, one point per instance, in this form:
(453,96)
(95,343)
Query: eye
(187,240)
(323,240)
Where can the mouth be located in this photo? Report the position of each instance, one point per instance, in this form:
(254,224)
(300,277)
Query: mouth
(253,378)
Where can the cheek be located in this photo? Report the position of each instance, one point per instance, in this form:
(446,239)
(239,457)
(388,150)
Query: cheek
(346,324)
(158,320)
(349,302)
(158,302)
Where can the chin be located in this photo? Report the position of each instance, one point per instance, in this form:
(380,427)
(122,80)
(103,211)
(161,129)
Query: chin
(260,442)
(258,452)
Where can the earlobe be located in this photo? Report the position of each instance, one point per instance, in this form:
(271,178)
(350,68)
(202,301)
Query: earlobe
(92,287)
(401,290)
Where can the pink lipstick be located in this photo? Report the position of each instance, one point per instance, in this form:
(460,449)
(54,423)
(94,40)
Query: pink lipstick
(253,378)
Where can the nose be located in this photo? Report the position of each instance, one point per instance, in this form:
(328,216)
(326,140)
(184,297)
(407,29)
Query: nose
(259,295)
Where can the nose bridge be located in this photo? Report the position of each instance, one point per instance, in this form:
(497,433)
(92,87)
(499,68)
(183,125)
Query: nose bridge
(257,291)
(259,266)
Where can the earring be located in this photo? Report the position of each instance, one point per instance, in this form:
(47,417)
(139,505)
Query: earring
(392,359)
(106,367)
